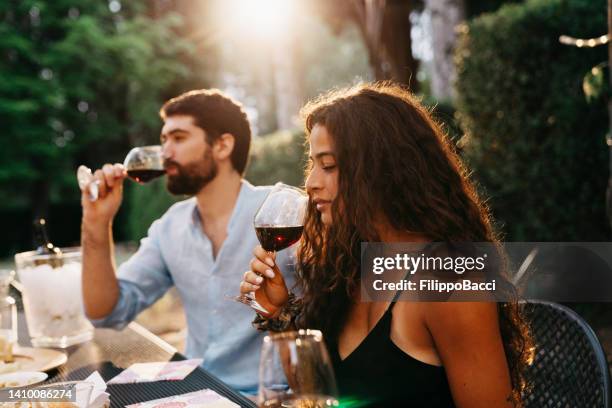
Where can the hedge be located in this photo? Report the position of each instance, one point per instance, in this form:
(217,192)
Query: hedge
(537,148)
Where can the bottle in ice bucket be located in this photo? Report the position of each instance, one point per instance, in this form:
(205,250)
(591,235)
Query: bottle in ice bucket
(52,298)
(8,317)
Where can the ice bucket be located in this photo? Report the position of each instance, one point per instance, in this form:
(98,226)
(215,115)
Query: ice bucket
(52,297)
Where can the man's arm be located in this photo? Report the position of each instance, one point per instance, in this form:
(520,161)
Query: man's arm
(100,285)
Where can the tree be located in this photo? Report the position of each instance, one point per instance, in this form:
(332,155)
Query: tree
(446,15)
(385,27)
(80,84)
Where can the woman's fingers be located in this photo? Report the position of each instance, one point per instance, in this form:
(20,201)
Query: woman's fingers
(250,282)
(246,287)
(262,269)
(270,293)
(264,256)
(252,278)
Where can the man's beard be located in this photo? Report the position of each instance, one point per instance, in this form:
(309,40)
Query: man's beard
(192,177)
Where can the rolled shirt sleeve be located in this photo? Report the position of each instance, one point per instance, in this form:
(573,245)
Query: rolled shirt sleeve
(178,253)
(143,279)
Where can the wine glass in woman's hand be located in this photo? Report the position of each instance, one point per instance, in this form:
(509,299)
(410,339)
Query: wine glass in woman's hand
(278,224)
(265,282)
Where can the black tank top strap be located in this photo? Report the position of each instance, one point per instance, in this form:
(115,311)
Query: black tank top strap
(397,295)
(399,292)
(380,374)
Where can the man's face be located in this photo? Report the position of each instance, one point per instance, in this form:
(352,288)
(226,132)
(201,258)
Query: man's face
(188,158)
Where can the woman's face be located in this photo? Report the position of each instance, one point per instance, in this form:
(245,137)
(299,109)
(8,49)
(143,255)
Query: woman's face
(322,181)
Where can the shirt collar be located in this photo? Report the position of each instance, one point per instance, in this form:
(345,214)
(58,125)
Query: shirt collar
(245,188)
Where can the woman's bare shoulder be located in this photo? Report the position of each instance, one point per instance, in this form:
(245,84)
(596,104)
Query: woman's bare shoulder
(466,319)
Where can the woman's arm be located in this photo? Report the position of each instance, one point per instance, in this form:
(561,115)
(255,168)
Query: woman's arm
(468,341)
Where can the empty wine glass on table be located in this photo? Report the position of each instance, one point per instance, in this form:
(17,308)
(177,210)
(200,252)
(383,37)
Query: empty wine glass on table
(143,164)
(278,224)
(295,371)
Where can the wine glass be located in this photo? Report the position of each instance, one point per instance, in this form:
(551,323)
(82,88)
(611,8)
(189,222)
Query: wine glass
(295,371)
(143,164)
(278,224)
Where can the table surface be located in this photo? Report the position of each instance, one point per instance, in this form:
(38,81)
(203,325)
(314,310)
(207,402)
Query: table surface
(111,351)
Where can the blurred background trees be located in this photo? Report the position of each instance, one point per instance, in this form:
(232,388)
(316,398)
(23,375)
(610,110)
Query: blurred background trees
(82,82)
(79,84)
(536,145)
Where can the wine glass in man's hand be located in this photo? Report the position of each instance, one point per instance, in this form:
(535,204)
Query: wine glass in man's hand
(142,164)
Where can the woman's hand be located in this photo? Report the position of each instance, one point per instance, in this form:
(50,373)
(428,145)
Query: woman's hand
(266,280)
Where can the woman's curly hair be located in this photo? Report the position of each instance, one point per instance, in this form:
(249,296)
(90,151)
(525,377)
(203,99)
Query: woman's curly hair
(393,160)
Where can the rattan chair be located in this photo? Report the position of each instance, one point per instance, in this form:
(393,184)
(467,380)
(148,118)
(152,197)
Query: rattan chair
(569,368)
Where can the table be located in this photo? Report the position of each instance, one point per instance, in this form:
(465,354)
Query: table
(111,351)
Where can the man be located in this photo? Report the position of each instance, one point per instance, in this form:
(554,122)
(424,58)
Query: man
(201,245)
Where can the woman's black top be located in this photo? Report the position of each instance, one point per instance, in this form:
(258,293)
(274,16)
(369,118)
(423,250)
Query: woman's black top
(379,374)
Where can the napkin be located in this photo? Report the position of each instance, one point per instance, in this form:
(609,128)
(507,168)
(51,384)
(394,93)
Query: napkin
(148,372)
(196,399)
(99,397)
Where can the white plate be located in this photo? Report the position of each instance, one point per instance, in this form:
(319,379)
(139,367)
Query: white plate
(33,359)
(38,359)
(21,379)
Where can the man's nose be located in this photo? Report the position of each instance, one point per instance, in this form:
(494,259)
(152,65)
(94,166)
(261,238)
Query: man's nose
(167,151)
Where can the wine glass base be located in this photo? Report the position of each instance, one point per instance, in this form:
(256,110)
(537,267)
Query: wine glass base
(249,300)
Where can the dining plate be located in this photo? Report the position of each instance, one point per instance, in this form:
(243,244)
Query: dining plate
(33,359)
(22,378)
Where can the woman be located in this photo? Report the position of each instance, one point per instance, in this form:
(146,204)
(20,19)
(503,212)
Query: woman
(381,170)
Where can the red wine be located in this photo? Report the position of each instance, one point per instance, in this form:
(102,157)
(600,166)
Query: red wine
(273,238)
(145,175)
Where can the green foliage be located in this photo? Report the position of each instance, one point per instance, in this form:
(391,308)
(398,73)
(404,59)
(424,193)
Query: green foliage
(535,144)
(146,204)
(595,83)
(278,157)
(475,7)
(81,84)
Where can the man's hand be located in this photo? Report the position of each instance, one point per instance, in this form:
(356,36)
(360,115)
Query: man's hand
(110,184)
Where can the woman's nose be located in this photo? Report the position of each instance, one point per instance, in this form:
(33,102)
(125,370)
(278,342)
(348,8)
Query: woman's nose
(313,181)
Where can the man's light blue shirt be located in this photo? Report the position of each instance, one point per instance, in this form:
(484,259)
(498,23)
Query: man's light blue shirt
(177,252)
